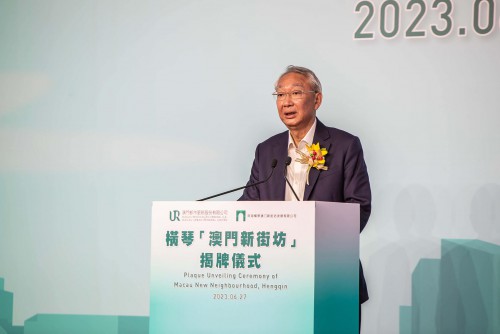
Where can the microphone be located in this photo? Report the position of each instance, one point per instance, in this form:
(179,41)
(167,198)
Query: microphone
(273,165)
(288,161)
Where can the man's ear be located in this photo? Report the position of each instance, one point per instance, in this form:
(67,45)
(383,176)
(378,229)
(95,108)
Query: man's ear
(318,100)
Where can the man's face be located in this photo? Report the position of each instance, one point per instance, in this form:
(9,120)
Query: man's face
(296,114)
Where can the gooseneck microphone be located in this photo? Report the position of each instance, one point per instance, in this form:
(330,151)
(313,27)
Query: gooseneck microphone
(273,165)
(288,161)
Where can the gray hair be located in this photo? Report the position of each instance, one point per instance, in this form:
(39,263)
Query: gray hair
(313,79)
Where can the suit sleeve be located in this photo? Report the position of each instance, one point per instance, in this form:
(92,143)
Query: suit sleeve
(252,193)
(356,181)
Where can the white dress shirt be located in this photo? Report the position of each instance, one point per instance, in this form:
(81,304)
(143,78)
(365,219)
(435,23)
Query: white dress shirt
(297,172)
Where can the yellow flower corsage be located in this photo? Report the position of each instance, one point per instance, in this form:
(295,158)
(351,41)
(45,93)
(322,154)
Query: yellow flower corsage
(315,157)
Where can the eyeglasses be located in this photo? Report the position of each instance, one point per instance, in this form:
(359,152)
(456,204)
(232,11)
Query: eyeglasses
(295,94)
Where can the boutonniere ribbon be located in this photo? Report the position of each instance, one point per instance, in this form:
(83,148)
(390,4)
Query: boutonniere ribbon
(314,158)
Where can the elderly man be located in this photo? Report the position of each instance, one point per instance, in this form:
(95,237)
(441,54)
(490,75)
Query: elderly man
(341,175)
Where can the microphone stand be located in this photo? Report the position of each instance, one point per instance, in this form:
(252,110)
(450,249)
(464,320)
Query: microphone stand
(273,165)
(287,163)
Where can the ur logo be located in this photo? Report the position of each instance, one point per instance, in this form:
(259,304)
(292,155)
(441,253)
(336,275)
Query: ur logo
(174,215)
(241,213)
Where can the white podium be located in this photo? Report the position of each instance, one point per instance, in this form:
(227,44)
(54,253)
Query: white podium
(254,267)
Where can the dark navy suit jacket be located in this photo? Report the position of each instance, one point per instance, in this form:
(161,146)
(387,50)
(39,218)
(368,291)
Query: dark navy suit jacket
(346,179)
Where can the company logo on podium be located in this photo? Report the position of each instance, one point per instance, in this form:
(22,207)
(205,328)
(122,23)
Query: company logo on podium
(241,213)
(174,215)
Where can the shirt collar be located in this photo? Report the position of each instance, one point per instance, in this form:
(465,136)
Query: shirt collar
(308,139)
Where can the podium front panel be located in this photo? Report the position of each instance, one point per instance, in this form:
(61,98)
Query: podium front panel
(235,267)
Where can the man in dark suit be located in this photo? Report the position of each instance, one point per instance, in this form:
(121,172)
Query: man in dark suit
(344,177)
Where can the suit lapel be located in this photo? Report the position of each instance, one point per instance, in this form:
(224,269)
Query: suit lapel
(322,136)
(280,152)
